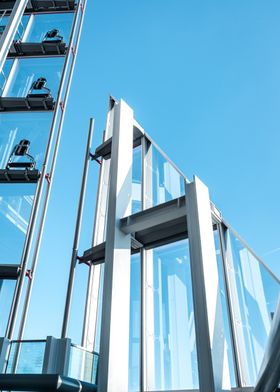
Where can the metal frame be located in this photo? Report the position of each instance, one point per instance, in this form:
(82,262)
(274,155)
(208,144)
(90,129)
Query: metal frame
(54,136)
(115,329)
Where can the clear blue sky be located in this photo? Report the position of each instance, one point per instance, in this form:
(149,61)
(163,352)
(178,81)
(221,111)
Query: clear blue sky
(204,80)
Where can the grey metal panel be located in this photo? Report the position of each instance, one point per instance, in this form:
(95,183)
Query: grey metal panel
(269,374)
(25,49)
(163,213)
(15,104)
(104,150)
(56,356)
(9,271)
(19,176)
(44,383)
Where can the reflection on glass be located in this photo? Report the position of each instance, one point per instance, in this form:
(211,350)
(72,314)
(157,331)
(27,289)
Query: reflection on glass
(228,356)
(21,29)
(26,71)
(99,312)
(134,325)
(7,288)
(26,357)
(15,207)
(167,183)
(17,126)
(41,24)
(136,180)
(4,74)
(254,292)
(171,343)
(83,364)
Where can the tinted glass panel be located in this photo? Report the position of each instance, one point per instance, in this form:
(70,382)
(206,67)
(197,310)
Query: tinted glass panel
(26,357)
(26,71)
(167,183)
(254,292)
(171,343)
(17,126)
(134,324)
(6,295)
(43,23)
(136,180)
(15,207)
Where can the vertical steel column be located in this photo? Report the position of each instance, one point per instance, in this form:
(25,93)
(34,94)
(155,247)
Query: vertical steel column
(7,37)
(114,345)
(146,274)
(93,286)
(205,286)
(236,359)
(56,356)
(77,233)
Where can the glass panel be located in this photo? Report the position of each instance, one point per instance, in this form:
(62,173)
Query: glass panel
(17,126)
(7,288)
(15,207)
(228,350)
(83,365)
(136,180)
(26,71)
(254,294)
(134,325)
(43,23)
(4,74)
(22,26)
(171,359)
(167,184)
(26,357)
(99,311)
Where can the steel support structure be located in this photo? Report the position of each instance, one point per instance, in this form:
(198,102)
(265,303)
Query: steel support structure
(114,353)
(39,206)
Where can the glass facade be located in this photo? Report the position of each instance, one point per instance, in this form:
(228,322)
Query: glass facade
(171,341)
(255,293)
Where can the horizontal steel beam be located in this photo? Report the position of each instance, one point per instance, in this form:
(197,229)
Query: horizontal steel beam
(43,383)
(162,214)
(9,271)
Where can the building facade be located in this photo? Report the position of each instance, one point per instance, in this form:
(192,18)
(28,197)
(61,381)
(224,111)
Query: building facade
(175,300)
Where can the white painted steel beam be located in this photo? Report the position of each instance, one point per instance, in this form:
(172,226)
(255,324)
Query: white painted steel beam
(212,361)
(114,344)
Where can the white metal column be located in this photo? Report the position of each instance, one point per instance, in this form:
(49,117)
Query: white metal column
(114,344)
(212,364)
(7,37)
(93,288)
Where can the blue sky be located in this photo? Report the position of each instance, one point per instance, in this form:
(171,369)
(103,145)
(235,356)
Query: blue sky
(203,79)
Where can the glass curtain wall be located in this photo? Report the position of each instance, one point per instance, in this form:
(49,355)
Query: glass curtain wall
(17,79)
(254,292)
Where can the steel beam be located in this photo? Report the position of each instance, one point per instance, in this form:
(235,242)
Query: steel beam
(163,213)
(114,345)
